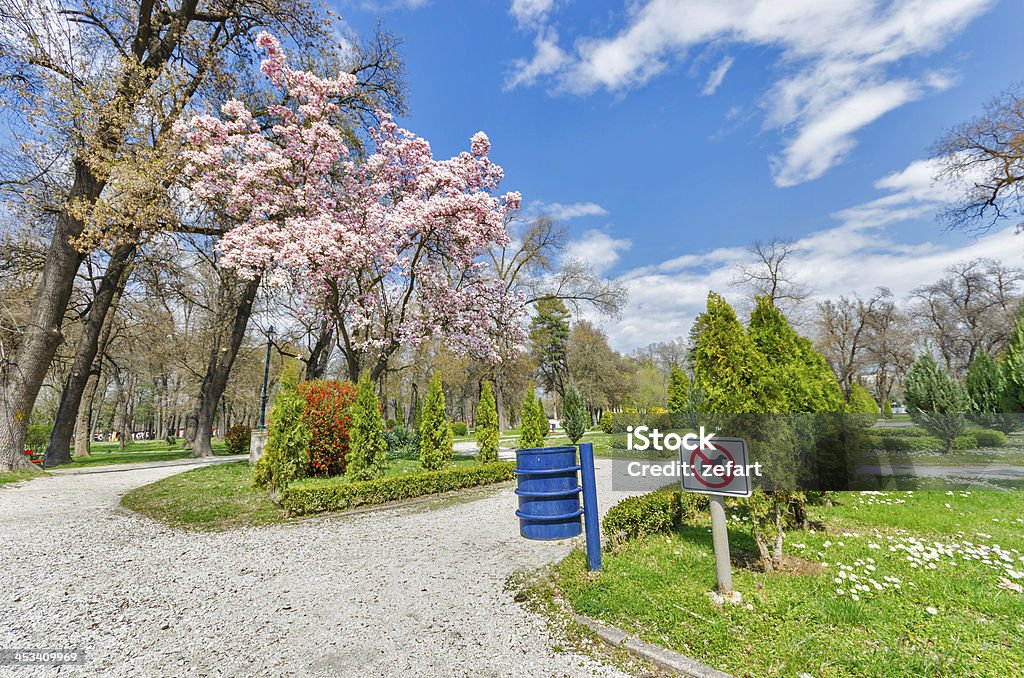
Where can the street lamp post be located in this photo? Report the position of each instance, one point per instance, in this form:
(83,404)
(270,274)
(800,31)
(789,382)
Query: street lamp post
(266,379)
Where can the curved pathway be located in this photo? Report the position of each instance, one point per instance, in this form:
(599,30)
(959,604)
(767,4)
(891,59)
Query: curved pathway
(410,591)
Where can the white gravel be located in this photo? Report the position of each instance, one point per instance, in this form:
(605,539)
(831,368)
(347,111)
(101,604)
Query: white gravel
(410,591)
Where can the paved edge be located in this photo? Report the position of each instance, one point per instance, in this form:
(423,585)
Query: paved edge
(143,465)
(666,659)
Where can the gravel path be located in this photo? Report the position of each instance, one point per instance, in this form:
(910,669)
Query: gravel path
(409,591)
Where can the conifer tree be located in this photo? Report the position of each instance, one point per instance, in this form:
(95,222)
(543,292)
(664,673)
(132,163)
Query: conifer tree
(936,400)
(985,387)
(1012,371)
(575,418)
(799,378)
(678,391)
(533,424)
(728,369)
(368,449)
(487,426)
(862,405)
(436,443)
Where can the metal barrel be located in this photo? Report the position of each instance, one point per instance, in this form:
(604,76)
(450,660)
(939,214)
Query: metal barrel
(549,493)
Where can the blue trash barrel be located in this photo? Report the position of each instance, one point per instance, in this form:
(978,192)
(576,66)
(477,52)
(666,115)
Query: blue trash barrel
(549,490)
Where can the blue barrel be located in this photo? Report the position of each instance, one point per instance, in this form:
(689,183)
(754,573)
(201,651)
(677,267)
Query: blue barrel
(549,493)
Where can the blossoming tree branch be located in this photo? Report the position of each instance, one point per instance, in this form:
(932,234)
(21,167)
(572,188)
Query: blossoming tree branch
(390,244)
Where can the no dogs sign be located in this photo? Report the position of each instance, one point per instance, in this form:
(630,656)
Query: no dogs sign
(722,467)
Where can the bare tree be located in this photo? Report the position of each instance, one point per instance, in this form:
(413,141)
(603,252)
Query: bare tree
(984,160)
(844,330)
(969,309)
(533,264)
(771,275)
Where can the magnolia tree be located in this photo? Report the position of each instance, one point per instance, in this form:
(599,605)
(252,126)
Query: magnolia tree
(390,241)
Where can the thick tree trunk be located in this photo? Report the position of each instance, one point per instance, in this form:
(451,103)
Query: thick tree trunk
(83,426)
(316,365)
(222,357)
(59,449)
(22,375)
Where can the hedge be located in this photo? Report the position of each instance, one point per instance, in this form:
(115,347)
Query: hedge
(321,495)
(899,432)
(971,440)
(659,512)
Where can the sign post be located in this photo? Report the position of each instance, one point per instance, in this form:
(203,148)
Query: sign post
(719,470)
(720,538)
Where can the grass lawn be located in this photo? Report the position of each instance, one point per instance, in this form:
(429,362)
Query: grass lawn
(136,451)
(896,583)
(401,467)
(7,477)
(206,498)
(223,495)
(1006,456)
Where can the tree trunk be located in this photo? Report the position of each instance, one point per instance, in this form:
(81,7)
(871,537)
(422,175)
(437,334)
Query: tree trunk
(83,426)
(316,365)
(22,375)
(222,357)
(59,449)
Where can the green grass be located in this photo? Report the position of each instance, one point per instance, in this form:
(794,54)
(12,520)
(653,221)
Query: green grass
(207,498)
(400,467)
(1007,456)
(18,475)
(103,454)
(952,620)
(223,495)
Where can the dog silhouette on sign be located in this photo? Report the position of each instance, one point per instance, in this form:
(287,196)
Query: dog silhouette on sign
(720,460)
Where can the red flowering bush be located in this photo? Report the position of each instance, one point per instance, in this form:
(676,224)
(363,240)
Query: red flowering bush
(327,417)
(236,439)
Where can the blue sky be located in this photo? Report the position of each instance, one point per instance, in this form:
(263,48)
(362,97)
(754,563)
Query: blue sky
(670,134)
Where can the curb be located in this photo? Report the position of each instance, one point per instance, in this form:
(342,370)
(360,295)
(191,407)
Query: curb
(666,659)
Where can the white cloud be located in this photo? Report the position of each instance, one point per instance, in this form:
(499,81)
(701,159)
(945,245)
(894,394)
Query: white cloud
(565,211)
(530,12)
(548,58)
(716,77)
(598,249)
(855,256)
(834,60)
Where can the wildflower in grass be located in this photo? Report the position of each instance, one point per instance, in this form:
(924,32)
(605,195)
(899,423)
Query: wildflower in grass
(931,610)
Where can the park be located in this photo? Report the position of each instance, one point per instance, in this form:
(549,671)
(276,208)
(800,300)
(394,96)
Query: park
(287,388)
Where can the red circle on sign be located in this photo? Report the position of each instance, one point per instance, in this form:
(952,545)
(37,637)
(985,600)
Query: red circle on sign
(700,479)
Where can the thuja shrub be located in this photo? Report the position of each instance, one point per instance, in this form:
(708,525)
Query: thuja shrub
(322,495)
(327,417)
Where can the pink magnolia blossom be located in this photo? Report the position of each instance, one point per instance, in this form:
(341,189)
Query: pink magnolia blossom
(391,243)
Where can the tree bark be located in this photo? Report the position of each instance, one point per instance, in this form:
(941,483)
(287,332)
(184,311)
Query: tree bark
(316,365)
(83,426)
(22,375)
(222,357)
(59,449)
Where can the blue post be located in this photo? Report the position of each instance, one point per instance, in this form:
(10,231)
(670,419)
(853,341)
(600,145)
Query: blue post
(590,521)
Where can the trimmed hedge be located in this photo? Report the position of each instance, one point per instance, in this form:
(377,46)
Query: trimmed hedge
(989,438)
(899,432)
(915,443)
(659,512)
(321,495)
